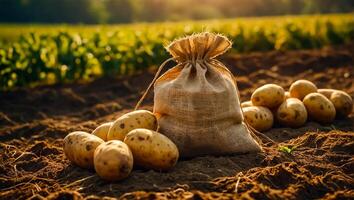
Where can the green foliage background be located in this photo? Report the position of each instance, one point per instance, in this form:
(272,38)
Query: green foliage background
(37,55)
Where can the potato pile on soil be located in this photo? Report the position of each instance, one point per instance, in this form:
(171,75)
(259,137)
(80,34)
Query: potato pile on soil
(317,161)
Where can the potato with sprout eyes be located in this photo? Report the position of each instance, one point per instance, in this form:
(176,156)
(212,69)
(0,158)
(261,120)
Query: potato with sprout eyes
(259,117)
(130,121)
(341,100)
(79,147)
(299,89)
(113,160)
(292,112)
(151,149)
(319,108)
(269,95)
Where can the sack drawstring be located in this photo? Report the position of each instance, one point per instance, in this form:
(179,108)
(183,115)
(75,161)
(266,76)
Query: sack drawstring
(152,83)
(256,134)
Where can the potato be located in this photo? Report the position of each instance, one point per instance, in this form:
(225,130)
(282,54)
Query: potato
(292,112)
(269,95)
(299,89)
(341,100)
(79,147)
(130,121)
(246,104)
(286,95)
(319,108)
(151,149)
(259,117)
(102,130)
(113,160)
(326,92)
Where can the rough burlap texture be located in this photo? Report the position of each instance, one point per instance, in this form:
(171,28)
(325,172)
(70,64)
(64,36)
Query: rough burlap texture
(197,101)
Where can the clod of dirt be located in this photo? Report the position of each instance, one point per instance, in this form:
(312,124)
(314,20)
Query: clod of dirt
(44,149)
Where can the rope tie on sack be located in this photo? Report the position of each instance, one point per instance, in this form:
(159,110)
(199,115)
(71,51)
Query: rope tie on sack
(156,77)
(256,134)
(152,83)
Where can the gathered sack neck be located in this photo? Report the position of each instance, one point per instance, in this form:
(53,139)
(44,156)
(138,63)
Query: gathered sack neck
(198,47)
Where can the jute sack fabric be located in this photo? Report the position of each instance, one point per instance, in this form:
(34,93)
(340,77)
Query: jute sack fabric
(197,101)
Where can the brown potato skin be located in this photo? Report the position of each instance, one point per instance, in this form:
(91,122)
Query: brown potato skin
(292,113)
(102,130)
(269,95)
(286,95)
(130,121)
(113,160)
(259,117)
(152,150)
(326,92)
(343,103)
(300,88)
(319,108)
(79,148)
(246,104)
(341,100)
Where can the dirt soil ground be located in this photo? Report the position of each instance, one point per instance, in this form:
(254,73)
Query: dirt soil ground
(33,123)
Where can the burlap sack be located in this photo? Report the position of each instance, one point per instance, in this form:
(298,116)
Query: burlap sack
(197,101)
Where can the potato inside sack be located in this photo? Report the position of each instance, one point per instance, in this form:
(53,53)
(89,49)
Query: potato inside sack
(319,108)
(300,88)
(113,160)
(292,112)
(102,130)
(130,121)
(151,149)
(79,148)
(269,95)
(259,117)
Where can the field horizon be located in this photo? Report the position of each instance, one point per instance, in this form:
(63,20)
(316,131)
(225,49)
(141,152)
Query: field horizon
(13,30)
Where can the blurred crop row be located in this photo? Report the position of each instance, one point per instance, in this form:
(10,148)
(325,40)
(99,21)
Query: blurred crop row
(74,54)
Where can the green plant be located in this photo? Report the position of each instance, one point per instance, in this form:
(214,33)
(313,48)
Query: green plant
(59,54)
(286,149)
